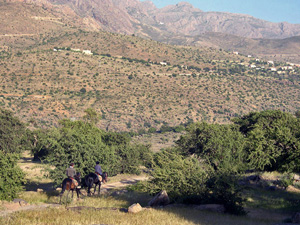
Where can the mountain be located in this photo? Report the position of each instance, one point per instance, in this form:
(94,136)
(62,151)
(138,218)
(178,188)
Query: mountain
(133,16)
(45,76)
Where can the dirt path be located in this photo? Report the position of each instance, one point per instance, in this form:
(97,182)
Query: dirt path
(35,175)
(10,208)
(124,182)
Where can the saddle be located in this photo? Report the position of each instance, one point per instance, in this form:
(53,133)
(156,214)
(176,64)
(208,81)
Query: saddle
(99,177)
(74,183)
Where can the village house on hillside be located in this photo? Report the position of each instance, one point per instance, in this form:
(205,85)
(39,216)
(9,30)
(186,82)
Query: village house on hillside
(87,52)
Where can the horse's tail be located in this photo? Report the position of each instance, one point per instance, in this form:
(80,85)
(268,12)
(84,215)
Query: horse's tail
(63,186)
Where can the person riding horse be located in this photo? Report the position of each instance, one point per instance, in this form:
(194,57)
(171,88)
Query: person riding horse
(71,172)
(98,170)
(70,184)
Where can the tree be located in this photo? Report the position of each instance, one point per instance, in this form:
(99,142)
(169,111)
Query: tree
(13,133)
(83,144)
(91,116)
(272,140)
(12,177)
(222,146)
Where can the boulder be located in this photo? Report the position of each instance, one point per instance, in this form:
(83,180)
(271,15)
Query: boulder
(12,206)
(211,207)
(296,177)
(135,208)
(161,199)
(39,190)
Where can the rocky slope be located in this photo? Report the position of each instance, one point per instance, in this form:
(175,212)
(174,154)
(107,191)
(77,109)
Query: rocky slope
(130,16)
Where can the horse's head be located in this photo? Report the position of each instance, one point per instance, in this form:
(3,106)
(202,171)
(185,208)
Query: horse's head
(104,177)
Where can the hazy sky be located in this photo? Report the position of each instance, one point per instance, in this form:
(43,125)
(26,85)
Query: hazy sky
(271,10)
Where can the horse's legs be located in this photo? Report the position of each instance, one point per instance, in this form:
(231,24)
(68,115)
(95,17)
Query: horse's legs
(77,192)
(67,197)
(95,189)
(99,187)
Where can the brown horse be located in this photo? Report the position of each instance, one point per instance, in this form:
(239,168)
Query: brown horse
(68,185)
(92,179)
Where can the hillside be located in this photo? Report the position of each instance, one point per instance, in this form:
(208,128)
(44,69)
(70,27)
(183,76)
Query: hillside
(46,77)
(180,24)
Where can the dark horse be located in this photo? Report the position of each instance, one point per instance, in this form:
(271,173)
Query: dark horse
(68,185)
(92,179)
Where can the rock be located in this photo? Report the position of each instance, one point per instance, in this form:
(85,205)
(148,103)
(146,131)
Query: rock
(12,206)
(39,190)
(161,199)
(296,177)
(296,218)
(291,188)
(20,201)
(135,208)
(211,207)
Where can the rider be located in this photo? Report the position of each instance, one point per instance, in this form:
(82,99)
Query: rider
(98,170)
(71,172)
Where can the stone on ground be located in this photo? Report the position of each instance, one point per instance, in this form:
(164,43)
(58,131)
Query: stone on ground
(161,199)
(135,208)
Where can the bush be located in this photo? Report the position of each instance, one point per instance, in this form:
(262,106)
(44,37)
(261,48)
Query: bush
(225,190)
(180,177)
(272,140)
(187,180)
(221,146)
(84,144)
(13,133)
(11,178)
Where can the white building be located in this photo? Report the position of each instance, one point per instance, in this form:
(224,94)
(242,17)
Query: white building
(87,52)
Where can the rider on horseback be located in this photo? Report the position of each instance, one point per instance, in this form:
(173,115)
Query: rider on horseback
(71,172)
(98,171)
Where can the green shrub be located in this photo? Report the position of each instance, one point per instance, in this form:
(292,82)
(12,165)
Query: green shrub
(221,146)
(181,177)
(13,133)
(187,180)
(272,140)
(83,144)
(11,178)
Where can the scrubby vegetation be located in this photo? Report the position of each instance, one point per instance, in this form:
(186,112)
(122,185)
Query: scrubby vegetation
(12,142)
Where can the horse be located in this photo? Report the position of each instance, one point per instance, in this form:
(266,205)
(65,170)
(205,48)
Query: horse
(92,179)
(68,185)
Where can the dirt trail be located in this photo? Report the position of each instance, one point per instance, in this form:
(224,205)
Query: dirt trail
(123,183)
(35,174)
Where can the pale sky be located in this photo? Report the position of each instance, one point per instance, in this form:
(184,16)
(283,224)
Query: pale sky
(270,10)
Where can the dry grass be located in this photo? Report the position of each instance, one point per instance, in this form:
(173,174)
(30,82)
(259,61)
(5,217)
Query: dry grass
(181,215)
(35,173)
